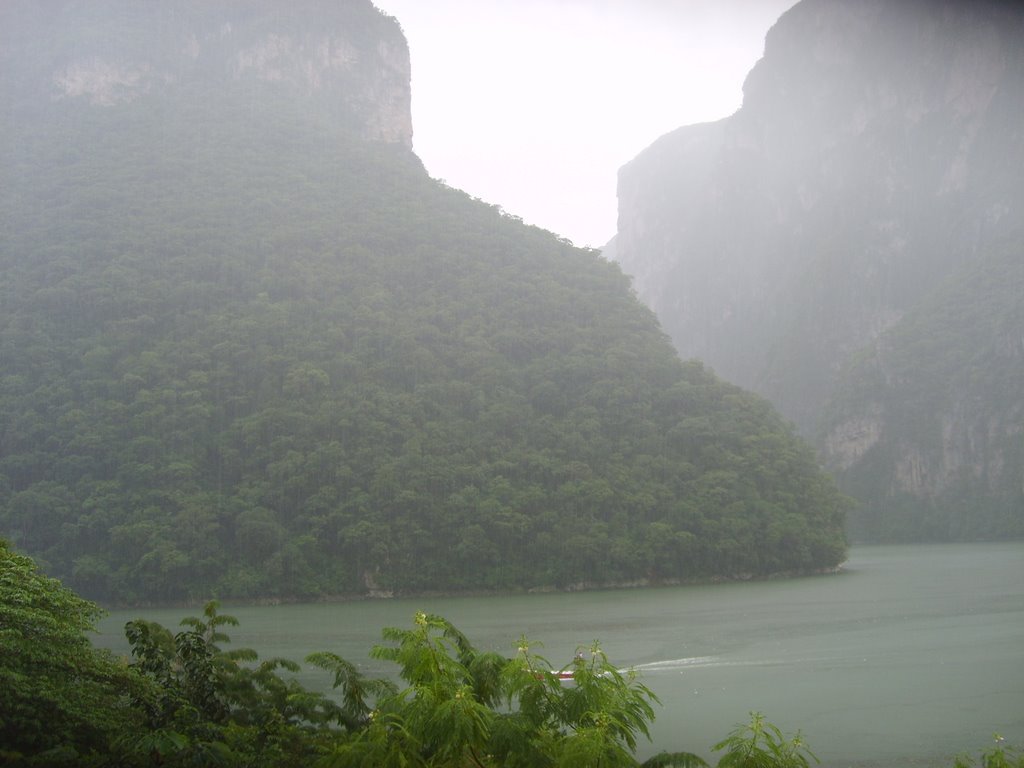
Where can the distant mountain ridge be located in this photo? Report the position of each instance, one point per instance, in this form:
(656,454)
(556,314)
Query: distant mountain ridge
(875,162)
(248,348)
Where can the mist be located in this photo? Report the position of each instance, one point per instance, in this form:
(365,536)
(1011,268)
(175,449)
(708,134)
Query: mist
(254,351)
(535,105)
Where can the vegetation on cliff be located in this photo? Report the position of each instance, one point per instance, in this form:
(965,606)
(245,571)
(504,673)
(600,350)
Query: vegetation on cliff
(942,396)
(247,353)
(873,164)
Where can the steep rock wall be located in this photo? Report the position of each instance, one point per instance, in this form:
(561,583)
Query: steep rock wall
(876,158)
(343,58)
(869,161)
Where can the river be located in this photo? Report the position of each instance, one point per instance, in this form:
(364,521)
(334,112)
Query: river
(907,657)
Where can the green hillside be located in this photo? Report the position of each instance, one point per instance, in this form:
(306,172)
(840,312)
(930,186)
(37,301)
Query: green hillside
(246,353)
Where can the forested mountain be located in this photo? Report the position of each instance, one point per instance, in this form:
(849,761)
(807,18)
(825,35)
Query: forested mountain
(250,349)
(866,202)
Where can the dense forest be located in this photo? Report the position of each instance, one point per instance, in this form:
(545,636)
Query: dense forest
(185,698)
(247,352)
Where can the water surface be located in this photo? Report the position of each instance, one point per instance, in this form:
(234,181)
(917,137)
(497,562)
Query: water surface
(907,657)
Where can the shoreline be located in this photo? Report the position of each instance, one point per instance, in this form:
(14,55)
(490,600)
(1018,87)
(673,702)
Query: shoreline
(384,594)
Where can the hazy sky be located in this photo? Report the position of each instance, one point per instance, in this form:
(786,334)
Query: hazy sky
(535,104)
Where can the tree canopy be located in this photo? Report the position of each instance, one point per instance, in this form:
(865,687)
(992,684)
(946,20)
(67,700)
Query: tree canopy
(247,353)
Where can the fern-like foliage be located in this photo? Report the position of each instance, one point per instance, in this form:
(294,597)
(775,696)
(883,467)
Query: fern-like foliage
(760,744)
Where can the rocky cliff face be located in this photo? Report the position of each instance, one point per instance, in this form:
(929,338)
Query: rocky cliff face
(926,425)
(319,54)
(876,158)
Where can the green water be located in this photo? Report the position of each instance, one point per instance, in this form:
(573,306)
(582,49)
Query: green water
(906,658)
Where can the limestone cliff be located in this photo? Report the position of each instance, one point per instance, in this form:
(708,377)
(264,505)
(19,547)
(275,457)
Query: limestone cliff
(345,59)
(926,425)
(876,158)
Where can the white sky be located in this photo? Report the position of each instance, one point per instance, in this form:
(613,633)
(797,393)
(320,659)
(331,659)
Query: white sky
(534,105)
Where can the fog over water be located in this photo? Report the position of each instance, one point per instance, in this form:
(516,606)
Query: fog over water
(535,105)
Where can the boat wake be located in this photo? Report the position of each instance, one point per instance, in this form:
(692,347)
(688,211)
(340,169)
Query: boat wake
(704,662)
(672,665)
